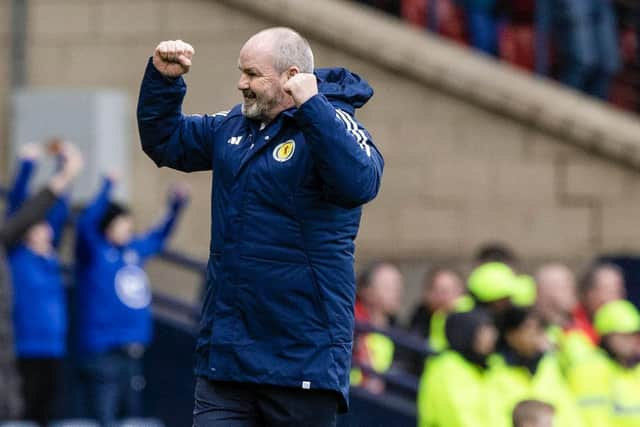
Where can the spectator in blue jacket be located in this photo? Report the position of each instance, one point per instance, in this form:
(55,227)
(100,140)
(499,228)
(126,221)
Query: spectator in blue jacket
(39,300)
(113,296)
(12,233)
(588,44)
(291,168)
(482,22)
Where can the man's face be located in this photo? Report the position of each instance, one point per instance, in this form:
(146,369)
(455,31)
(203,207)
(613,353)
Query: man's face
(528,339)
(608,286)
(120,230)
(623,346)
(444,291)
(260,83)
(386,290)
(556,290)
(485,339)
(40,237)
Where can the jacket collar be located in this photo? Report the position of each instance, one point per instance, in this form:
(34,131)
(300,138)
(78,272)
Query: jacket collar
(263,137)
(511,358)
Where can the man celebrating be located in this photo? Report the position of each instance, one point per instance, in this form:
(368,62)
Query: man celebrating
(291,169)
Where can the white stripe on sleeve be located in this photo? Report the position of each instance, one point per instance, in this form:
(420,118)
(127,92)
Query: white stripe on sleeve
(354,129)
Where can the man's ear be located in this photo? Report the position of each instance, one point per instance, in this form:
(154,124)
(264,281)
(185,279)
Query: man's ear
(292,71)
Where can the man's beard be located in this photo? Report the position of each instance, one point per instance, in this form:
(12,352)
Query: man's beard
(261,105)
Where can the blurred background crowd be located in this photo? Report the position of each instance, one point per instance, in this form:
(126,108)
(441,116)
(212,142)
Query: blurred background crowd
(110,313)
(507,277)
(498,336)
(590,45)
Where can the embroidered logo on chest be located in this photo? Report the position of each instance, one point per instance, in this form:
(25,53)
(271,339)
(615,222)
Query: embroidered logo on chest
(132,287)
(234,140)
(284,151)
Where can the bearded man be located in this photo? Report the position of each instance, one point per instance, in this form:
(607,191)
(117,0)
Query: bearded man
(291,169)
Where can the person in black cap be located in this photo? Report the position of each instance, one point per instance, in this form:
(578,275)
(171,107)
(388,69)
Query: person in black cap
(113,297)
(452,390)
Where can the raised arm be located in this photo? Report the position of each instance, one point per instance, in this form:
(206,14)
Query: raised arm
(348,162)
(59,213)
(169,137)
(88,225)
(154,240)
(31,212)
(57,218)
(19,189)
(35,209)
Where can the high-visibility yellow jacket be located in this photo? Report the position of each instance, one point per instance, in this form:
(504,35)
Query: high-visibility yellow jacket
(507,385)
(452,393)
(607,393)
(573,346)
(379,350)
(437,336)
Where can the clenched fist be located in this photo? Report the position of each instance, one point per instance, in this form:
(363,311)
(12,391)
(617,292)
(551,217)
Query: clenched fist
(172,58)
(301,87)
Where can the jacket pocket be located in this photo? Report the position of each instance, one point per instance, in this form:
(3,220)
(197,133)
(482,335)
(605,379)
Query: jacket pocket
(280,301)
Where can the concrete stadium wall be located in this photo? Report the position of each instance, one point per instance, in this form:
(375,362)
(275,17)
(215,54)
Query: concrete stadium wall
(5,40)
(462,168)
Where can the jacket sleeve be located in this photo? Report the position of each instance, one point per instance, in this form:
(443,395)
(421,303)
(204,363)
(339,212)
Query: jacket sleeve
(448,397)
(88,231)
(440,403)
(348,162)
(57,218)
(18,192)
(31,212)
(59,213)
(589,382)
(170,138)
(154,240)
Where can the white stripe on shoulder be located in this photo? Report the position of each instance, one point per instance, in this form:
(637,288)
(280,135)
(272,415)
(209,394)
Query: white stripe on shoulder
(351,125)
(354,129)
(354,125)
(345,119)
(221,113)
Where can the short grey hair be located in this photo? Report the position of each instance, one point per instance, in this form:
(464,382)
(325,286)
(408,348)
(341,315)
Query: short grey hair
(291,49)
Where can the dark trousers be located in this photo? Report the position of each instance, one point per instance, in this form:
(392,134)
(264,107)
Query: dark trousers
(113,384)
(228,404)
(40,379)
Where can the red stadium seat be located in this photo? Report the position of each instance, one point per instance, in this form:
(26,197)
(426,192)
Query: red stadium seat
(451,21)
(625,88)
(622,93)
(628,45)
(516,45)
(414,12)
(448,20)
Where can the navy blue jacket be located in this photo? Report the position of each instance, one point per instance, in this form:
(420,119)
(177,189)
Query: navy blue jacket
(285,213)
(39,301)
(113,293)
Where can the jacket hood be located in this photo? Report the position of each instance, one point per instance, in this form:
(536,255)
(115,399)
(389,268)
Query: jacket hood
(461,330)
(344,89)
